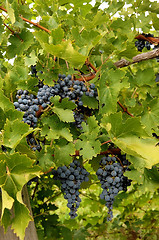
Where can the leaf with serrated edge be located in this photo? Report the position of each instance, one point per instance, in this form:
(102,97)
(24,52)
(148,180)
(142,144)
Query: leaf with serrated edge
(7,201)
(144,148)
(14,132)
(88,149)
(16,171)
(63,153)
(54,128)
(21,219)
(5,104)
(63,50)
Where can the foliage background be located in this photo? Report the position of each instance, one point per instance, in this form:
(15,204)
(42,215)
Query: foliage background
(76,30)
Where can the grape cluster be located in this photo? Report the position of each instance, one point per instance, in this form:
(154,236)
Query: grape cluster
(140,44)
(29,104)
(33,143)
(71,178)
(65,87)
(110,174)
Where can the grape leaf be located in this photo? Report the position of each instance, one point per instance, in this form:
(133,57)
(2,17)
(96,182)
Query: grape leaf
(88,149)
(63,152)
(89,102)
(2,118)
(63,50)
(88,144)
(7,201)
(21,219)
(45,158)
(118,128)
(10,11)
(143,148)
(53,129)
(63,109)
(111,82)
(16,170)
(14,132)
(5,104)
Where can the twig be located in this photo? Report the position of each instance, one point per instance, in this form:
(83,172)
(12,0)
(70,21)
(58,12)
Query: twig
(88,63)
(124,109)
(115,151)
(26,20)
(85,195)
(13,32)
(36,187)
(134,93)
(87,77)
(106,142)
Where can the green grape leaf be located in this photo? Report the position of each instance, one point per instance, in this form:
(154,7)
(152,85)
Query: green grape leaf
(1,29)
(18,46)
(24,149)
(90,129)
(88,144)
(10,11)
(21,219)
(2,118)
(53,129)
(150,117)
(14,132)
(45,158)
(88,149)
(16,170)
(57,35)
(14,114)
(6,218)
(152,178)
(145,77)
(143,148)
(135,176)
(63,109)
(5,103)
(131,137)
(7,201)
(117,128)
(111,82)
(63,152)
(90,102)
(31,59)
(63,50)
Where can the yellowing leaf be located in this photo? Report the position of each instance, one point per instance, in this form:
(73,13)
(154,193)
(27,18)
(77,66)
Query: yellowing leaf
(145,148)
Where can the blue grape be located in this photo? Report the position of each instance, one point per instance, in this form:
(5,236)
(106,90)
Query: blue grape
(70,184)
(110,174)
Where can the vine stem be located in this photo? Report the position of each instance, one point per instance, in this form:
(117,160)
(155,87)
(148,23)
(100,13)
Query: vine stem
(13,32)
(106,142)
(125,109)
(27,20)
(35,189)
